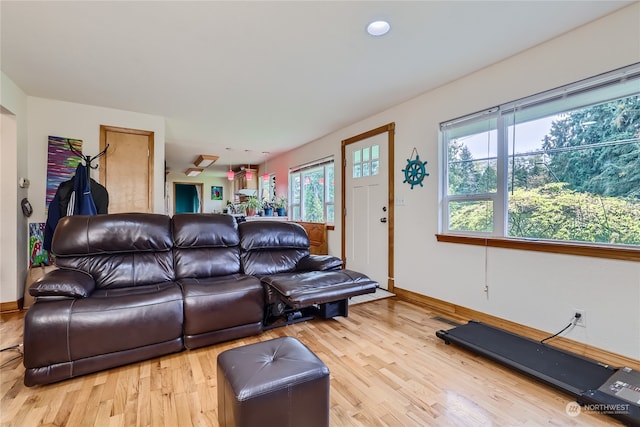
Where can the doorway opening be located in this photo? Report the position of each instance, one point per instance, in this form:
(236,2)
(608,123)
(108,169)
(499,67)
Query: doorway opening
(187,197)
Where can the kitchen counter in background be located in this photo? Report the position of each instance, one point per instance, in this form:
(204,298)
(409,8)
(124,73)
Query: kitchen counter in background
(267,218)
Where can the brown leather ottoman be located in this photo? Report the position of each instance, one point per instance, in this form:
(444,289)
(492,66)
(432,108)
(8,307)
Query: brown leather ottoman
(279,382)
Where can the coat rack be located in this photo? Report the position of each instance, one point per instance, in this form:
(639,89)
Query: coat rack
(88,159)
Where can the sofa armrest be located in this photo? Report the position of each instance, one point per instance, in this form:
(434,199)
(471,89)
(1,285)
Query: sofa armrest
(319,263)
(63,283)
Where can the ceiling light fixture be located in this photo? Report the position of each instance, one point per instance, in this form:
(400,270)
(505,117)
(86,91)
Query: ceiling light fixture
(378,28)
(230,174)
(193,171)
(205,160)
(249,174)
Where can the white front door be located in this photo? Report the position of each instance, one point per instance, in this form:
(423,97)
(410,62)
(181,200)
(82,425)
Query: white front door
(367,207)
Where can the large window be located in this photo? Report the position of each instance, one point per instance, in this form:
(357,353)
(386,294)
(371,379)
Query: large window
(311,189)
(562,166)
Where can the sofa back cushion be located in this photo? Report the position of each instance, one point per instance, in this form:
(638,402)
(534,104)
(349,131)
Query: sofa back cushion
(272,246)
(117,250)
(205,245)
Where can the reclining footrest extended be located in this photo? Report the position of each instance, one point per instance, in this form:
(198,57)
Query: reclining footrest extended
(312,288)
(311,294)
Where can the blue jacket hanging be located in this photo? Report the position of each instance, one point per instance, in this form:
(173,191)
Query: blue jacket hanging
(81,202)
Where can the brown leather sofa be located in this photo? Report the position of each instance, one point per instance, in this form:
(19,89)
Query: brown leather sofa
(136,286)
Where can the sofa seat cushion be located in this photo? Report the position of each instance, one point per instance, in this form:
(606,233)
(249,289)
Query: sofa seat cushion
(216,303)
(107,322)
(303,289)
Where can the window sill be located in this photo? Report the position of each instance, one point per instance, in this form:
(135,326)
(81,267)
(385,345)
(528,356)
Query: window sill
(567,248)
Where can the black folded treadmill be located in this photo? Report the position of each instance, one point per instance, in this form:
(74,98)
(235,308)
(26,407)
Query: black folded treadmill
(590,382)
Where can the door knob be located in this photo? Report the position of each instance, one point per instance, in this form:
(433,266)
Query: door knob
(383,219)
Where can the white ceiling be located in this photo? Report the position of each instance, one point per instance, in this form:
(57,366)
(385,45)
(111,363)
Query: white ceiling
(265,75)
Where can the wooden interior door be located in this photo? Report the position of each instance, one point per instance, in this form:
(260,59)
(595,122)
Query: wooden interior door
(126,170)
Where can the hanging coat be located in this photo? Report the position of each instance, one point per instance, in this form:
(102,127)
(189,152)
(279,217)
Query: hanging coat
(59,206)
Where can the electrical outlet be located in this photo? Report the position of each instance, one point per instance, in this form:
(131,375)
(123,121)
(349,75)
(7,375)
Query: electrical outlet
(582,320)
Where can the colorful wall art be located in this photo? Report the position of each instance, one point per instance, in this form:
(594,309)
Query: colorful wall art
(37,254)
(61,163)
(216,193)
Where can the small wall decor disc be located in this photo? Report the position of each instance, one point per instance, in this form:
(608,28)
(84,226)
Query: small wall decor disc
(415,171)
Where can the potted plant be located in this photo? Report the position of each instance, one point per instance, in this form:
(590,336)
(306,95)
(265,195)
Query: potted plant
(267,206)
(252,205)
(281,205)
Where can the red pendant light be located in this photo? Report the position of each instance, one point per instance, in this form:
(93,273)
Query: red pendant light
(265,175)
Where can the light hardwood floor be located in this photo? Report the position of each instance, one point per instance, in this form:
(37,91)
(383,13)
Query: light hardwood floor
(387,369)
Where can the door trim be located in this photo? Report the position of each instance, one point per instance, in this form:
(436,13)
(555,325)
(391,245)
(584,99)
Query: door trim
(390,129)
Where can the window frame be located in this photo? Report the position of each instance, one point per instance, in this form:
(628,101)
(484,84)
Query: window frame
(498,236)
(299,170)
(268,188)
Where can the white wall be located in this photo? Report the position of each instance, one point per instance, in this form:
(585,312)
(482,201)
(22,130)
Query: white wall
(13,152)
(47,117)
(539,290)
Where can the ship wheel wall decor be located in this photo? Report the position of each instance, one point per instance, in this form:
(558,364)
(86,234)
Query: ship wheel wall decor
(415,171)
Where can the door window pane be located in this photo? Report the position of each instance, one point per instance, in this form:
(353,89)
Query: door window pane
(365,161)
(375,166)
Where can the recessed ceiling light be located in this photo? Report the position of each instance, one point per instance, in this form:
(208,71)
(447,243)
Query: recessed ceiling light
(378,28)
